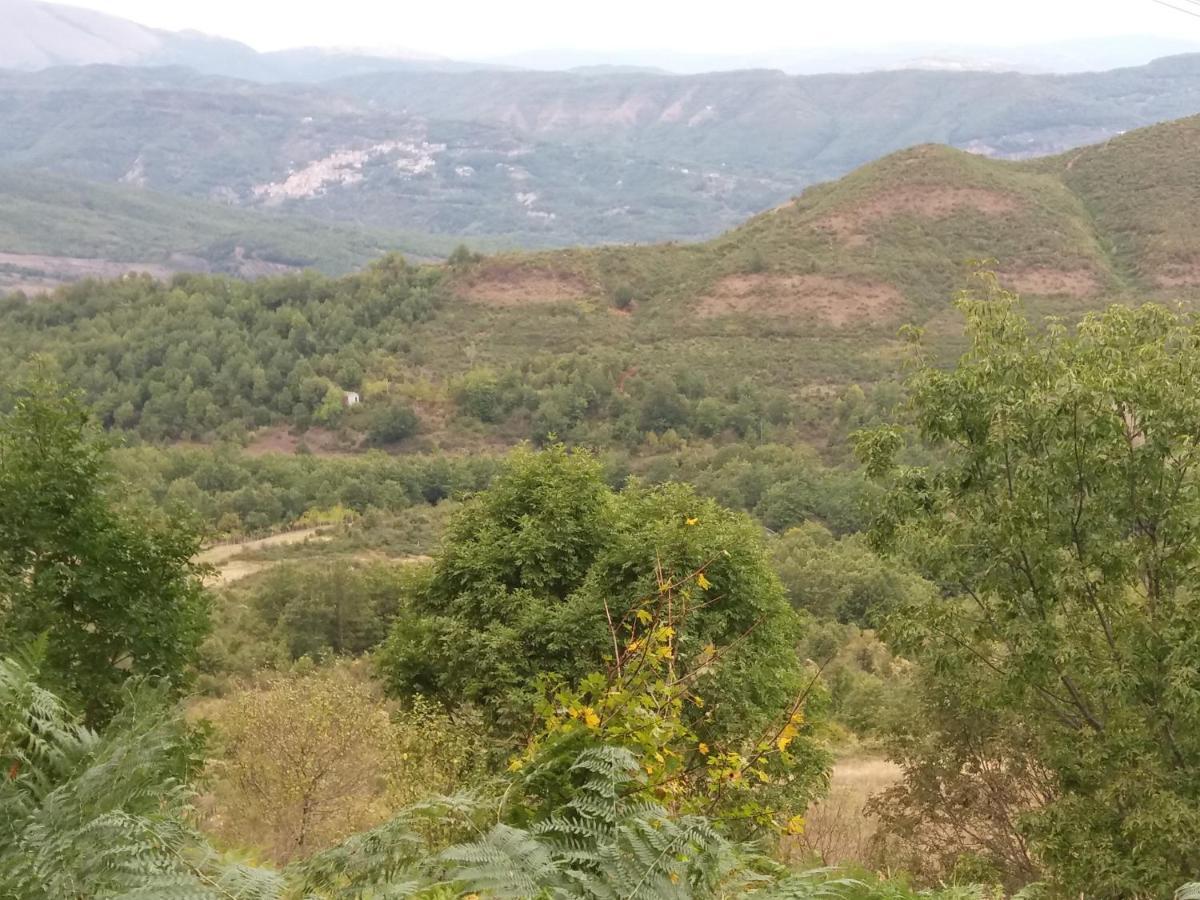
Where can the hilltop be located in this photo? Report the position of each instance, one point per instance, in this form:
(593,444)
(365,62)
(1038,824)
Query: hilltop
(763,328)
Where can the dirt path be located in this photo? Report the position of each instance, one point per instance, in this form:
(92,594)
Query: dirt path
(223,557)
(230,567)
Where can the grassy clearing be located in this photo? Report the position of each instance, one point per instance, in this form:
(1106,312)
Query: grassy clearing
(838,829)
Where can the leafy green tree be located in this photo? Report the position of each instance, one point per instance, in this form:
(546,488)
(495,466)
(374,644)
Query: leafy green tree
(1063,530)
(478,394)
(116,594)
(463,257)
(535,569)
(623,296)
(331,408)
(841,579)
(662,406)
(327,607)
(647,701)
(391,423)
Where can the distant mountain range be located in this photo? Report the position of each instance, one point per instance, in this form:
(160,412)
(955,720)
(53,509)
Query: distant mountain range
(420,154)
(37,35)
(1079,55)
(545,158)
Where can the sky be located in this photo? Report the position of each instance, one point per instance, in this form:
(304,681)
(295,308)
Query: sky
(478,29)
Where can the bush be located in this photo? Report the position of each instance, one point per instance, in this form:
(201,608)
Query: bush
(623,296)
(392,423)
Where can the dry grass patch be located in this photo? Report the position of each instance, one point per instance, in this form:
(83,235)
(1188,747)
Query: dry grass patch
(924,201)
(228,568)
(511,286)
(1046,282)
(318,441)
(838,830)
(1176,275)
(838,301)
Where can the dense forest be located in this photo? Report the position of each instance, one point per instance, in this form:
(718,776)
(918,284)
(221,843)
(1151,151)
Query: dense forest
(634,658)
(211,357)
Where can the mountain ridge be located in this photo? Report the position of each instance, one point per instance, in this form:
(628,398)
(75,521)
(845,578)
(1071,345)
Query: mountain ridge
(38,34)
(547,159)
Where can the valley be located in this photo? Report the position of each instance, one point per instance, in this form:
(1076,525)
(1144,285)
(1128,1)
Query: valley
(434,479)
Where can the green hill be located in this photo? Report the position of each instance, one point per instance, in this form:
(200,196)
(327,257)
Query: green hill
(764,331)
(1142,190)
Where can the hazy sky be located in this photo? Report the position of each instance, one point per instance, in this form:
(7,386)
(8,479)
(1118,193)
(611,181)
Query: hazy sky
(483,28)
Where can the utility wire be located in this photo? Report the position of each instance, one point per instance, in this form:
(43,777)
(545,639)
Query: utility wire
(1186,12)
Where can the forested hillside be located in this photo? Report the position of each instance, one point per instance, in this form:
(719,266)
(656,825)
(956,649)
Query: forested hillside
(801,304)
(668,571)
(595,685)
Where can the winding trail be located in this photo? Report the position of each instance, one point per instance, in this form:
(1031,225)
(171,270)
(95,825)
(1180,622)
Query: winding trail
(223,557)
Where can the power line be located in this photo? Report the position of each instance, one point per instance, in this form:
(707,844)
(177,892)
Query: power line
(1186,12)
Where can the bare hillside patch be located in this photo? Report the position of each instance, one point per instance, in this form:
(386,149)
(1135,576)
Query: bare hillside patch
(36,273)
(838,301)
(923,201)
(1177,275)
(318,441)
(1046,282)
(515,287)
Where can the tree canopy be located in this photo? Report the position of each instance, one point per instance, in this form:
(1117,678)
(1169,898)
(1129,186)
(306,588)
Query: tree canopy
(115,593)
(1063,528)
(535,570)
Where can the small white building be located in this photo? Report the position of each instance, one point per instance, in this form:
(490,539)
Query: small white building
(351,398)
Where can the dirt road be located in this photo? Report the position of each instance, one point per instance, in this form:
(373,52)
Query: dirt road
(230,569)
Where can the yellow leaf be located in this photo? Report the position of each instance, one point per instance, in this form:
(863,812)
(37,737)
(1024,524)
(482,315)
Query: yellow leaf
(703,582)
(590,718)
(674,876)
(785,737)
(644,617)
(703,748)
(699,701)
(692,522)
(795,825)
